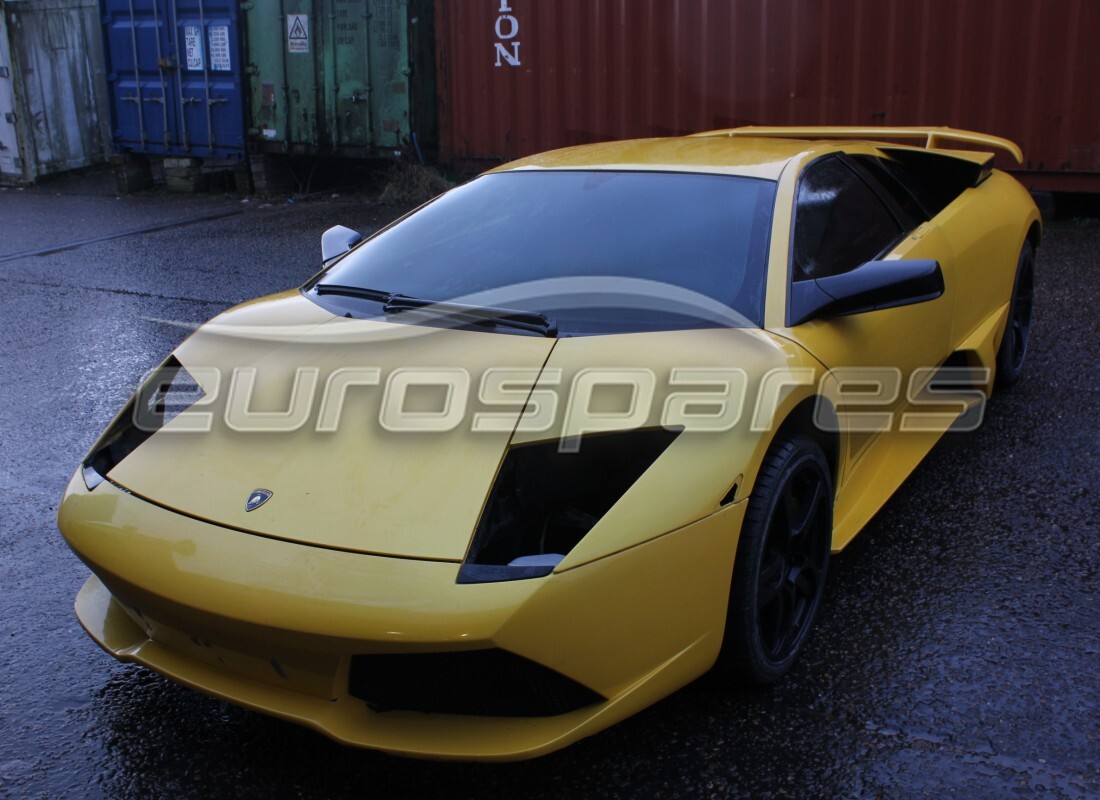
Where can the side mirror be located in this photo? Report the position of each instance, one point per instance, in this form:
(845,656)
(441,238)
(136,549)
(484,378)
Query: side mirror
(337,240)
(868,287)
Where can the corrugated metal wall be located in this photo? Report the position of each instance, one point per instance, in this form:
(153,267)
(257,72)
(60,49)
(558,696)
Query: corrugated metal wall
(520,76)
(53,107)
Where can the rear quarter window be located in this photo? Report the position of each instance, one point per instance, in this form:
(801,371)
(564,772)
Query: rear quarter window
(840,222)
(886,176)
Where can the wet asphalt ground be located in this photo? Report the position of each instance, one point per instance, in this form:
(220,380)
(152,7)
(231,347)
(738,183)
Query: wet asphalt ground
(957,653)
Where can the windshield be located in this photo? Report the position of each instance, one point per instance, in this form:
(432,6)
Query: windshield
(598,252)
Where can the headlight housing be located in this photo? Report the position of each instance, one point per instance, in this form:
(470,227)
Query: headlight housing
(169,390)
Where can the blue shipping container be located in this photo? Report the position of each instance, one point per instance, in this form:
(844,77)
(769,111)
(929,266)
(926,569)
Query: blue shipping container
(174,74)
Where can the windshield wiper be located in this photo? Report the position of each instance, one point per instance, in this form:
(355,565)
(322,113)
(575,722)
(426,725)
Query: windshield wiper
(352,291)
(479,315)
(393,303)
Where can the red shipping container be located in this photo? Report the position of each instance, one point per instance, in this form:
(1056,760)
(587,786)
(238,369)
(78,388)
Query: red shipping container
(519,76)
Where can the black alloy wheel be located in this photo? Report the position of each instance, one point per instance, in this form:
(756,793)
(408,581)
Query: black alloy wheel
(1017,335)
(782,560)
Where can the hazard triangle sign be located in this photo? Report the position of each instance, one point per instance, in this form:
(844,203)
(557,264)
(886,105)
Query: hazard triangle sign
(297,33)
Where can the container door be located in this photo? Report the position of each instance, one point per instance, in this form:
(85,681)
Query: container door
(302,56)
(56,45)
(349,53)
(330,75)
(174,69)
(209,91)
(141,75)
(389,74)
(283,54)
(11,161)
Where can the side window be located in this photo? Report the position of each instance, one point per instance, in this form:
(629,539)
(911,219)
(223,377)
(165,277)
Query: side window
(839,222)
(887,174)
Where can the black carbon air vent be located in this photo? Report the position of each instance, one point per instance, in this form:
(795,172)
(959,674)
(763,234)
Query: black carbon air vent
(485,683)
(545,500)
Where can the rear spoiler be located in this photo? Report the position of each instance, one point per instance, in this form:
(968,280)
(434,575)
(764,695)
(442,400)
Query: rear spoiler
(931,136)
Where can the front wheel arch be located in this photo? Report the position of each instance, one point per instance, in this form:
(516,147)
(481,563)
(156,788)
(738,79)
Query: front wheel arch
(801,420)
(798,420)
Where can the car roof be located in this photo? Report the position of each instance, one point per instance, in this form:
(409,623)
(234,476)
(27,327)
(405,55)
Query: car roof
(756,157)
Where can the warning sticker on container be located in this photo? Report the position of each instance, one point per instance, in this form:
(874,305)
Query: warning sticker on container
(219,48)
(192,45)
(297,33)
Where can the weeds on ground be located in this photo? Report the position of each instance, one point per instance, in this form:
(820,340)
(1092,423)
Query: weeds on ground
(412,184)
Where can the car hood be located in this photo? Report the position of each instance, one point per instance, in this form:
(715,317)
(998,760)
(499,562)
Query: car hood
(350,483)
(358,487)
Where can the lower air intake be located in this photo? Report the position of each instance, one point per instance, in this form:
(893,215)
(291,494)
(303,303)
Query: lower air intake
(484,683)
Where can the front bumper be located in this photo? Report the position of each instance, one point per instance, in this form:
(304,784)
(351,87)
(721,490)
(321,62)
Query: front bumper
(273,625)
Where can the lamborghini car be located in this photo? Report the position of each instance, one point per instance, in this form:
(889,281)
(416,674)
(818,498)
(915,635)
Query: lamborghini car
(559,441)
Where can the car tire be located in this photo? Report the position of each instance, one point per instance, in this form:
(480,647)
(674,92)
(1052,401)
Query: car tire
(781,563)
(1017,335)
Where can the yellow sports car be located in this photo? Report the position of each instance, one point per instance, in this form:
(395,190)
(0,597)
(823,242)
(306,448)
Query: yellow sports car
(560,441)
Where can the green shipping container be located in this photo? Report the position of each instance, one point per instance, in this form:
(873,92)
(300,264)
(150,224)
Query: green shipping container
(343,77)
